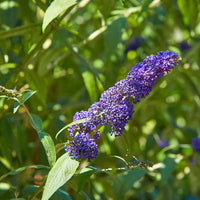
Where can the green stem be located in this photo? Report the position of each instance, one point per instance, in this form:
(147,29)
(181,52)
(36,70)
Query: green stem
(29,114)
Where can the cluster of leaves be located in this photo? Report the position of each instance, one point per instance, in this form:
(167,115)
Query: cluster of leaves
(71,51)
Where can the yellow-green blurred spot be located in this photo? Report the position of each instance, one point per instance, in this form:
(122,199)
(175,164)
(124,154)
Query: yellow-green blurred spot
(180,121)
(98,64)
(163,84)
(179,134)
(149,126)
(57,107)
(142,142)
(131,55)
(173,98)
(4,186)
(99,187)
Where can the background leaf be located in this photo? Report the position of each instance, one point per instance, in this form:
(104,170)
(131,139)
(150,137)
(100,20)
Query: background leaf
(19,170)
(189,10)
(170,163)
(113,35)
(126,181)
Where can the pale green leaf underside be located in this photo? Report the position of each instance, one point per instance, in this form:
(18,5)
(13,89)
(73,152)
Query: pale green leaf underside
(49,147)
(62,171)
(56,7)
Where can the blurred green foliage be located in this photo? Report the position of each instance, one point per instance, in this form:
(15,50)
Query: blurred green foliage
(70,63)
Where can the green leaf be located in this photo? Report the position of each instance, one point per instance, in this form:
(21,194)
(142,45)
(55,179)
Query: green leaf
(120,158)
(22,30)
(113,35)
(49,59)
(125,182)
(62,171)
(28,94)
(73,123)
(49,147)
(19,170)
(83,177)
(170,163)
(6,162)
(90,83)
(41,83)
(105,6)
(56,7)
(16,106)
(29,191)
(189,10)
(36,122)
(62,194)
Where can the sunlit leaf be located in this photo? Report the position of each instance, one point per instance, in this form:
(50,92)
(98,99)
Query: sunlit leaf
(62,171)
(56,8)
(120,158)
(16,106)
(90,83)
(28,94)
(189,10)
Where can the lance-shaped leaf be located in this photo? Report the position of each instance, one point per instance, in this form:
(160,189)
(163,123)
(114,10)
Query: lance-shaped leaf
(73,123)
(16,106)
(49,147)
(36,122)
(56,7)
(28,94)
(62,171)
(19,170)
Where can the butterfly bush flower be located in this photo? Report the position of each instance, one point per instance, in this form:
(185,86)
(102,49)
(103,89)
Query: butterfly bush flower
(116,105)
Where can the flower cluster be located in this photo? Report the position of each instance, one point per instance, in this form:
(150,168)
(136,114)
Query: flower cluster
(116,105)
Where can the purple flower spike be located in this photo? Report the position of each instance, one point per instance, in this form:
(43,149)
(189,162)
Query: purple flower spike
(82,146)
(116,105)
(196,144)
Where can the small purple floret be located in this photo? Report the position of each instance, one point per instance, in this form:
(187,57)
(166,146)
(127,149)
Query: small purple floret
(116,105)
(134,44)
(163,143)
(196,144)
(184,46)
